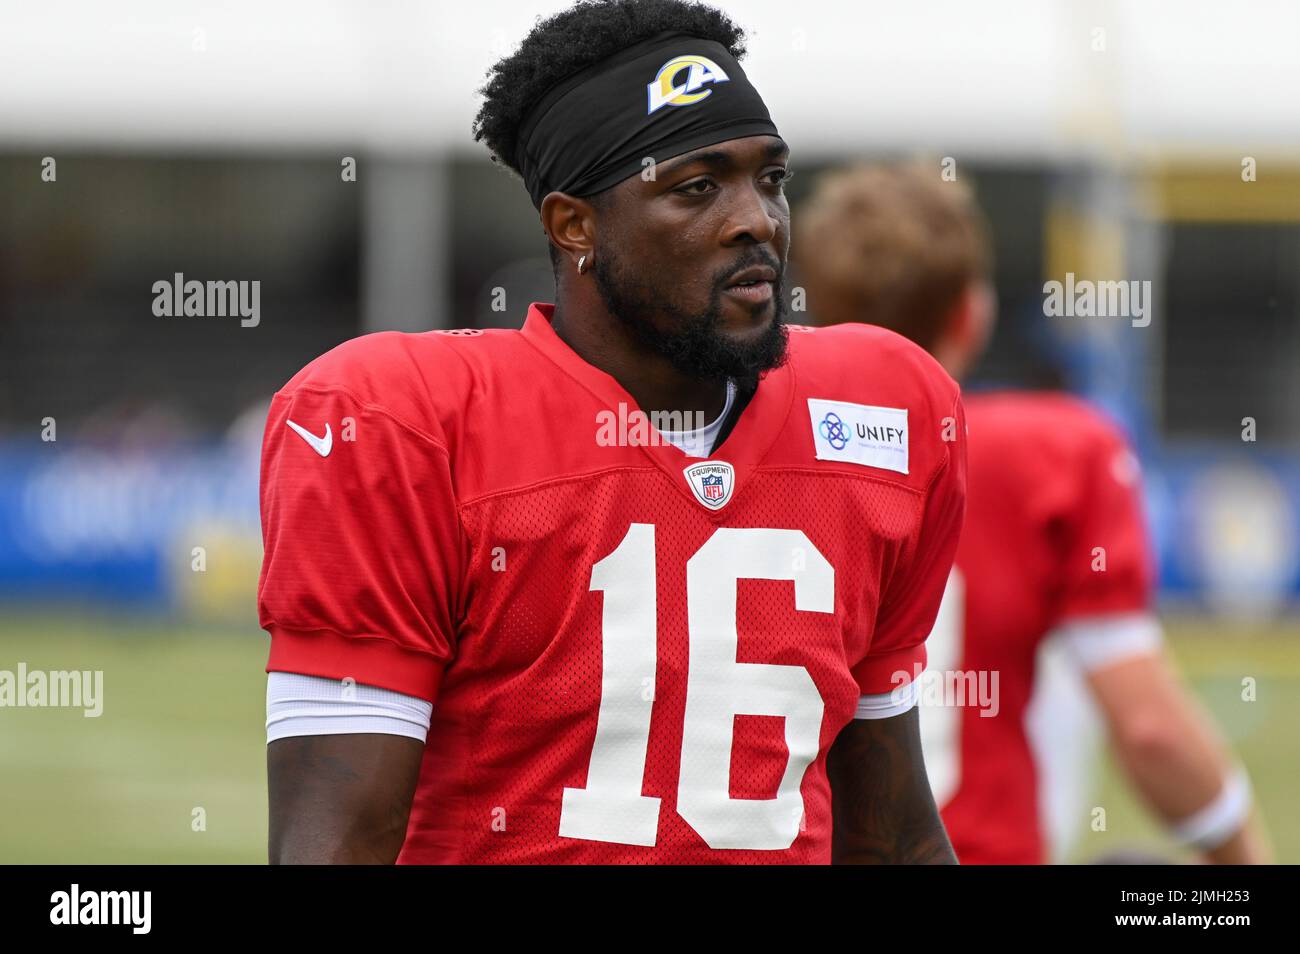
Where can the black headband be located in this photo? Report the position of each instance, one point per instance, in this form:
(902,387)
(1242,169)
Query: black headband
(659,98)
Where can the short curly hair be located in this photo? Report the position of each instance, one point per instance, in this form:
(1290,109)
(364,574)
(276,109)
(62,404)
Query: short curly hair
(573,39)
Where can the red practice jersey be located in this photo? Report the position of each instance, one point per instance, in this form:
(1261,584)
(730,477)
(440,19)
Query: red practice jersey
(1054,537)
(632,655)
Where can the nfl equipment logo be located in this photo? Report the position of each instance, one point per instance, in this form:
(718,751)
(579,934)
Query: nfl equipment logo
(711,483)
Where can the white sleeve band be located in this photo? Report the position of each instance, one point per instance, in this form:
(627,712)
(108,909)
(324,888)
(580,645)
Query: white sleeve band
(311,705)
(1218,821)
(1098,641)
(888,704)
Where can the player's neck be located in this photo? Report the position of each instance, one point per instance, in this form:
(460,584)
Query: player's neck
(649,378)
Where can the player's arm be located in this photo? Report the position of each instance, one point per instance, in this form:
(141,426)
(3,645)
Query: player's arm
(883,810)
(340,799)
(1174,756)
(361,553)
(881,803)
(342,763)
(1167,744)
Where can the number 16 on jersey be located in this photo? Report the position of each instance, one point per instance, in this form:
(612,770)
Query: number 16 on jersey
(612,807)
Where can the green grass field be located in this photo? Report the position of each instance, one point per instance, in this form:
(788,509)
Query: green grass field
(1264,733)
(183,729)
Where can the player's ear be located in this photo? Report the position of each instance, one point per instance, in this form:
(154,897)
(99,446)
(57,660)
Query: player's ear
(570,224)
(983,314)
(967,328)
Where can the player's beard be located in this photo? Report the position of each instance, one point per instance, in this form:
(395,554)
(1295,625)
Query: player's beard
(696,345)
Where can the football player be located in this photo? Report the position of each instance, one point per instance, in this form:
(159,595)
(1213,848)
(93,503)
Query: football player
(1054,543)
(510,622)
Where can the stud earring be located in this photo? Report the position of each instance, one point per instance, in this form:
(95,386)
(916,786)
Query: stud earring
(582,260)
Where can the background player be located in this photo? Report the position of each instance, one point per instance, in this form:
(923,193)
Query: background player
(1054,540)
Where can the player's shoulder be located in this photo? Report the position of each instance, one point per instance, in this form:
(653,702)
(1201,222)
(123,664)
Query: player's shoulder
(870,365)
(874,397)
(418,377)
(376,365)
(1049,422)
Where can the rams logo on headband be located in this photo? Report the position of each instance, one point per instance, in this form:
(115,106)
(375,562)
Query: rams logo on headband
(663,91)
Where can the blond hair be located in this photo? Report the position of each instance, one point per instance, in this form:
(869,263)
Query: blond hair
(890,245)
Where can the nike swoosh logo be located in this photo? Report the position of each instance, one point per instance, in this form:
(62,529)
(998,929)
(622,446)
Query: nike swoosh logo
(320,445)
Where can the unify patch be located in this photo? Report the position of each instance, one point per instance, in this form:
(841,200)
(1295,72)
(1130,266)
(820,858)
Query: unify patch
(860,434)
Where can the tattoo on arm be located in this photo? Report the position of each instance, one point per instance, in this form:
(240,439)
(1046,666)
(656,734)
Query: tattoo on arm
(883,809)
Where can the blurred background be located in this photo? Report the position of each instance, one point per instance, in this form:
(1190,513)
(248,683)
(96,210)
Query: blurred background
(1154,142)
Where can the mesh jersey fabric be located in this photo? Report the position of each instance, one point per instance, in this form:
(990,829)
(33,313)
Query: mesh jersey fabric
(618,672)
